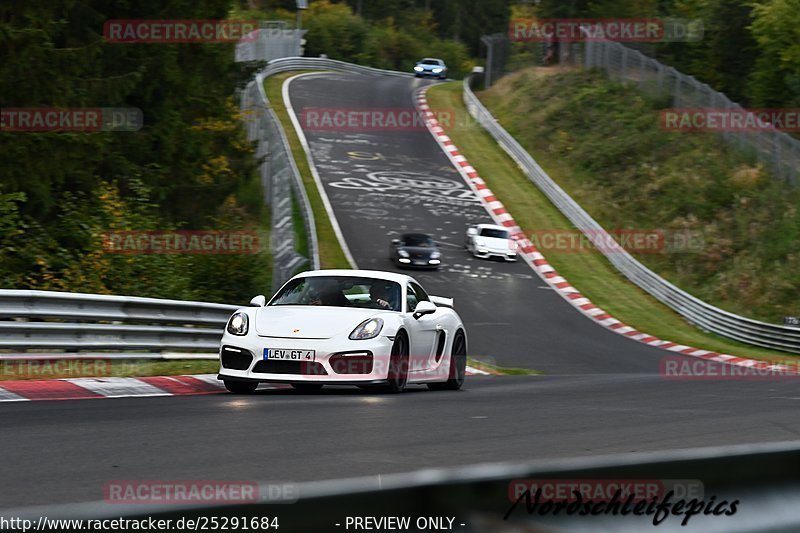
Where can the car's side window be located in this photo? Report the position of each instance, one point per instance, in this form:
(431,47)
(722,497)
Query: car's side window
(419,293)
(411,299)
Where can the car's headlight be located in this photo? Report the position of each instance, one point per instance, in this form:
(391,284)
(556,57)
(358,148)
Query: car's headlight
(402,253)
(369,329)
(436,255)
(418,68)
(437,70)
(480,242)
(238,324)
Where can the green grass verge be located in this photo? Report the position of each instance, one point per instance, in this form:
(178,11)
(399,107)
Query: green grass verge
(301,238)
(590,273)
(33,369)
(330,253)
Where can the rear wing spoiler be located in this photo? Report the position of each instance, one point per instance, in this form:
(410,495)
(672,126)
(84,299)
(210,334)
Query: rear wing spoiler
(442,302)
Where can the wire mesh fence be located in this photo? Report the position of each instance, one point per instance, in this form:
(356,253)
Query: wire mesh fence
(776,150)
(272,41)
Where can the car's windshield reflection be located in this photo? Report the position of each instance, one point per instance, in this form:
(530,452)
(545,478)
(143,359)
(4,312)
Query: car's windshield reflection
(341,291)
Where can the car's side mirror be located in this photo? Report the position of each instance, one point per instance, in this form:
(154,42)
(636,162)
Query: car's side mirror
(424,308)
(396,242)
(258,301)
(472,231)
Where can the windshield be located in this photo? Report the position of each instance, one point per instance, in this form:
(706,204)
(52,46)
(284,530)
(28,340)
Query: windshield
(431,62)
(494,233)
(341,291)
(417,240)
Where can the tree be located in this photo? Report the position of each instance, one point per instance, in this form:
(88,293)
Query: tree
(776,78)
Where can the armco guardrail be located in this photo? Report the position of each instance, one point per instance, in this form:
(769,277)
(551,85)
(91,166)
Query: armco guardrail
(319,63)
(280,181)
(74,322)
(762,480)
(696,311)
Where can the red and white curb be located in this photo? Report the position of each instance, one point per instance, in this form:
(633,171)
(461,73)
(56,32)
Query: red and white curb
(108,387)
(95,388)
(540,265)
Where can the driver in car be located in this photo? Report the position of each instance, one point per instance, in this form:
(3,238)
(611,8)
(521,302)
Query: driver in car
(379,296)
(328,294)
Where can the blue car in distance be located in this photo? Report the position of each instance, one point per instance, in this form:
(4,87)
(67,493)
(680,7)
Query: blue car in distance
(430,66)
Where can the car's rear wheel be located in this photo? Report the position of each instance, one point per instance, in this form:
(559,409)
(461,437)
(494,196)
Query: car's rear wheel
(307,387)
(241,387)
(458,365)
(398,364)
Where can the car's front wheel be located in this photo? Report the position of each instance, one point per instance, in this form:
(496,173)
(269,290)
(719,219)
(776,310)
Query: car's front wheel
(241,387)
(458,365)
(398,364)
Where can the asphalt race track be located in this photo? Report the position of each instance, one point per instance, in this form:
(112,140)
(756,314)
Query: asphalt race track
(67,451)
(601,393)
(383,183)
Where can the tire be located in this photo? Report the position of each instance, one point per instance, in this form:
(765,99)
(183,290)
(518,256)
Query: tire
(307,387)
(241,387)
(458,365)
(398,364)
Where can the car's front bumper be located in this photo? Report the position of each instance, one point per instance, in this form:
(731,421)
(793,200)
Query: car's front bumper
(430,73)
(411,262)
(486,253)
(335,362)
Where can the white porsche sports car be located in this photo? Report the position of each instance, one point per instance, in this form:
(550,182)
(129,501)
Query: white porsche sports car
(490,241)
(345,327)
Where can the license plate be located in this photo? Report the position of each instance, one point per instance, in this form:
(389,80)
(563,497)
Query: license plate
(288,355)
